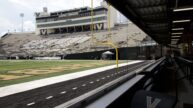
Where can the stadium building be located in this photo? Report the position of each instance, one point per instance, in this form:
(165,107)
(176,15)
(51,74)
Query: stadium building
(74,20)
(67,34)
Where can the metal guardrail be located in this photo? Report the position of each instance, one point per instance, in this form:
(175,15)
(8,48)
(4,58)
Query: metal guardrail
(104,100)
(186,66)
(107,100)
(152,73)
(155,66)
(89,97)
(188,62)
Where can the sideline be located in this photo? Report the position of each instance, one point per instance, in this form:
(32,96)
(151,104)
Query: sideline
(17,88)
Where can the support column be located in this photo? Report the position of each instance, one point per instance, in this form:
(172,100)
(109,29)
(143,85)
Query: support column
(60,30)
(74,29)
(82,28)
(67,29)
(161,50)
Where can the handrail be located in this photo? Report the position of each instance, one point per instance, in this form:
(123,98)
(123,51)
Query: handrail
(187,67)
(155,65)
(100,91)
(184,60)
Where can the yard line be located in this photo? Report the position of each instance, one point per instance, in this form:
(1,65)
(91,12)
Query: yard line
(98,80)
(49,97)
(63,92)
(29,104)
(74,88)
(103,78)
(84,85)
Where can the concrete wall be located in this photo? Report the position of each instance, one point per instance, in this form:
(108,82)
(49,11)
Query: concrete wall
(124,54)
(129,53)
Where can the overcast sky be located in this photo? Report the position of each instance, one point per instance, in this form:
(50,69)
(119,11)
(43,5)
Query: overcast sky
(10,11)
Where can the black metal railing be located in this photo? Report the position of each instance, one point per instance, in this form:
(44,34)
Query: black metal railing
(148,70)
(152,74)
(186,66)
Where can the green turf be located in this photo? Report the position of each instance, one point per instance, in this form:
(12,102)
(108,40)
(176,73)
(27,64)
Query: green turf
(12,65)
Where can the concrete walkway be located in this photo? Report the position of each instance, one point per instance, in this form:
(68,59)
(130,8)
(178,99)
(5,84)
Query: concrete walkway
(17,88)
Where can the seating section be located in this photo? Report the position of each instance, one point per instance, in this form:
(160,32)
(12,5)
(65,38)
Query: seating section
(122,35)
(54,45)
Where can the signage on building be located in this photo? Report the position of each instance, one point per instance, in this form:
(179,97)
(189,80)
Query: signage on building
(43,32)
(99,26)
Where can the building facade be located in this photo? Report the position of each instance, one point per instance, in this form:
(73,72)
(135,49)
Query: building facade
(74,20)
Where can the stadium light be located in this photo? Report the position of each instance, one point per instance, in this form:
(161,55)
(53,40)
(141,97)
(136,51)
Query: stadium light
(183,9)
(178,29)
(22,15)
(181,21)
(177,33)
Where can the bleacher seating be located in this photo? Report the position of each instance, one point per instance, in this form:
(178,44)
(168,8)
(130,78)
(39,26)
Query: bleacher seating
(122,35)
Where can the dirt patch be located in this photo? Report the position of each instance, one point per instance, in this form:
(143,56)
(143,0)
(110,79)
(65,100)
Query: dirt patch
(11,77)
(34,71)
(41,71)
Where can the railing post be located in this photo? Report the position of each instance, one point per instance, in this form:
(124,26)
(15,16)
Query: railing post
(187,70)
(191,73)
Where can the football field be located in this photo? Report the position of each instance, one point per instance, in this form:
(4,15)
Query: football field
(18,71)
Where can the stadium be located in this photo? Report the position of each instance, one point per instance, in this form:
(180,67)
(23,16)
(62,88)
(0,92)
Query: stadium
(67,35)
(85,58)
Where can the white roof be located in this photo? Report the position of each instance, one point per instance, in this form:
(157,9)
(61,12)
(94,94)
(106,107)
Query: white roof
(108,52)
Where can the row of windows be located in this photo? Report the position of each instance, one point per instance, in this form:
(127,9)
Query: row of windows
(65,12)
(72,22)
(69,17)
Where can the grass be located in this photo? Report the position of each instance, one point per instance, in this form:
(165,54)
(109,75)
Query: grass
(15,65)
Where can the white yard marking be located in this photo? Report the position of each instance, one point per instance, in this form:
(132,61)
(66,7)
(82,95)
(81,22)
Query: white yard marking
(98,80)
(83,85)
(103,78)
(63,92)
(29,104)
(49,97)
(74,88)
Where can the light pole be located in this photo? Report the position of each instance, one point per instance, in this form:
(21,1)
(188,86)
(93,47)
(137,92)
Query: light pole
(22,15)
